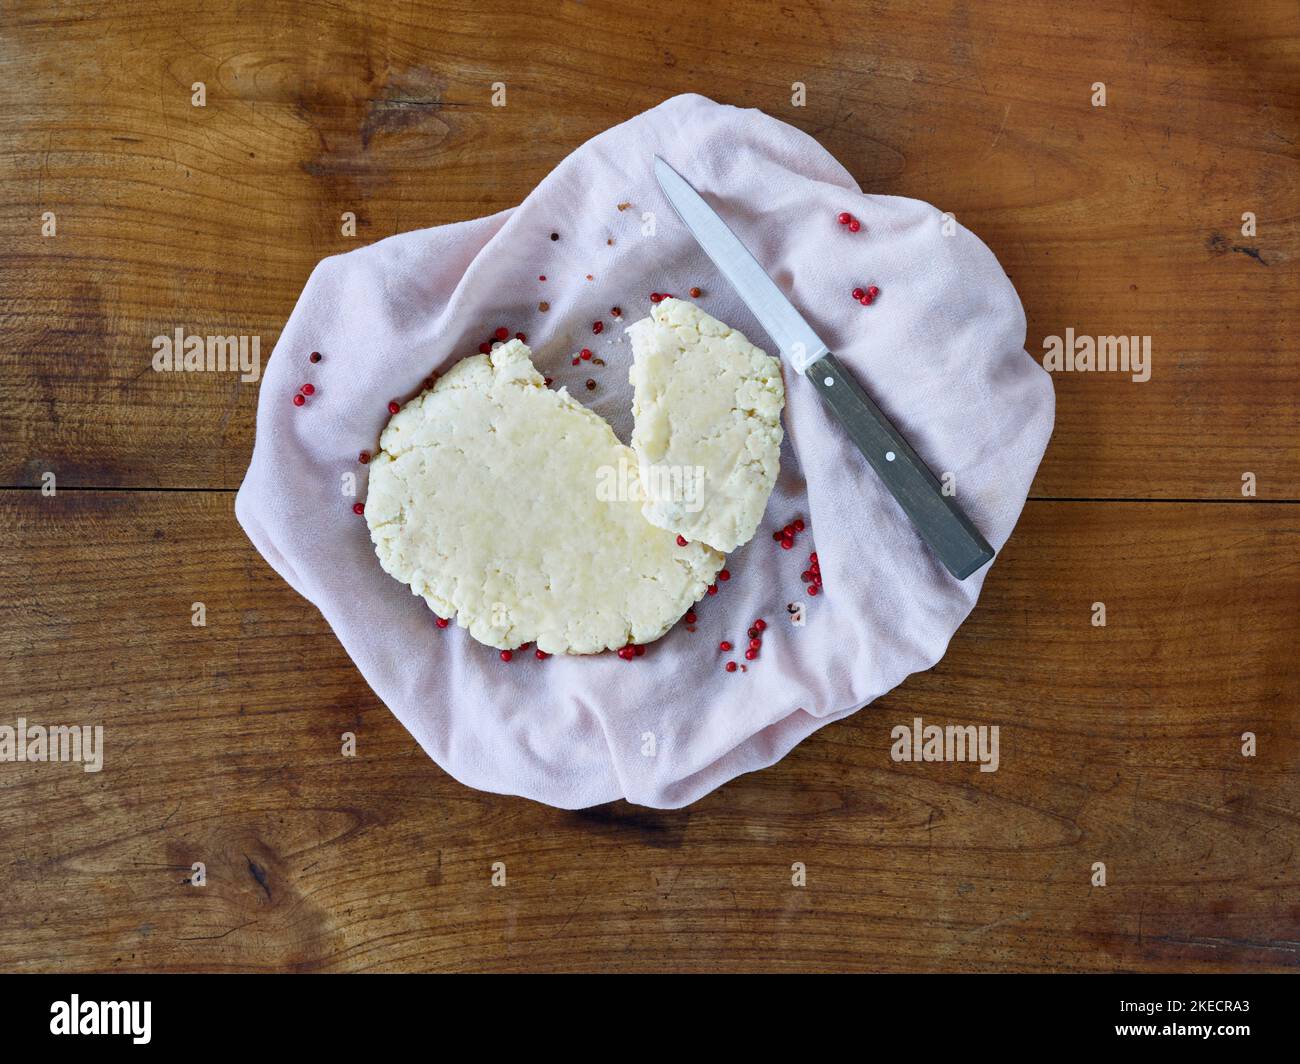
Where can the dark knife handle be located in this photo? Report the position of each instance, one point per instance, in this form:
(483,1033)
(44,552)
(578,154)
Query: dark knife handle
(941,522)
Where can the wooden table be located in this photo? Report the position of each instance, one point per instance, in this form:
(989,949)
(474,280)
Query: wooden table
(1120,744)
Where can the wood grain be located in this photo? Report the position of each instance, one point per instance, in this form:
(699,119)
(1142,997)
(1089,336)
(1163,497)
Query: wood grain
(1119,744)
(1117,220)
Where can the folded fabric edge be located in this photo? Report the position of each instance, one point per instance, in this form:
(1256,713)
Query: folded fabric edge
(785,735)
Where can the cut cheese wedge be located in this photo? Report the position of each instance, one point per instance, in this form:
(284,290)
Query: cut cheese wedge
(707,407)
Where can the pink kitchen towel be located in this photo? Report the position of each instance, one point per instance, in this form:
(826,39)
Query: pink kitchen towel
(941,350)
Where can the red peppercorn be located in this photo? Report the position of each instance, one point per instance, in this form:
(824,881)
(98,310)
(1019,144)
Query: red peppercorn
(363,457)
(731,666)
(507,655)
(501,333)
(812,589)
(547,381)
(761,625)
(591,384)
(813,557)
(358,508)
(777,536)
(315,356)
(626,653)
(576,360)
(394,407)
(615,312)
(752,633)
(485,348)
(724,646)
(787,532)
(844,217)
(755,643)
(585,354)
(806,576)
(799,526)
(681,541)
(598,327)
(713,589)
(690,617)
(858,293)
(873,291)
(541,277)
(441,622)
(540,655)
(786,543)
(867,300)
(309,389)
(695,293)
(724,574)
(639,650)
(521,338)
(655,297)
(298,400)
(751,654)
(854,225)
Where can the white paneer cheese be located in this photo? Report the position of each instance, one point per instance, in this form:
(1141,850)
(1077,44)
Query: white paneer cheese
(516,510)
(707,433)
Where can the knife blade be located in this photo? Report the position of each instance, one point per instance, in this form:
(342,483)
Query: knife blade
(951,535)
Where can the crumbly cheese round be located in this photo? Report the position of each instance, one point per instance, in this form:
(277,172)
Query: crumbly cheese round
(707,406)
(516,510)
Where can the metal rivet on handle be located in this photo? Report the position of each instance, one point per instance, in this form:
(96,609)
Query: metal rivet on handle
(889,456)
(828,381)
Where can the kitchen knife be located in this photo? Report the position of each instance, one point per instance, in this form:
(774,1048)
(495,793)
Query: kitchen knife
(940,521)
